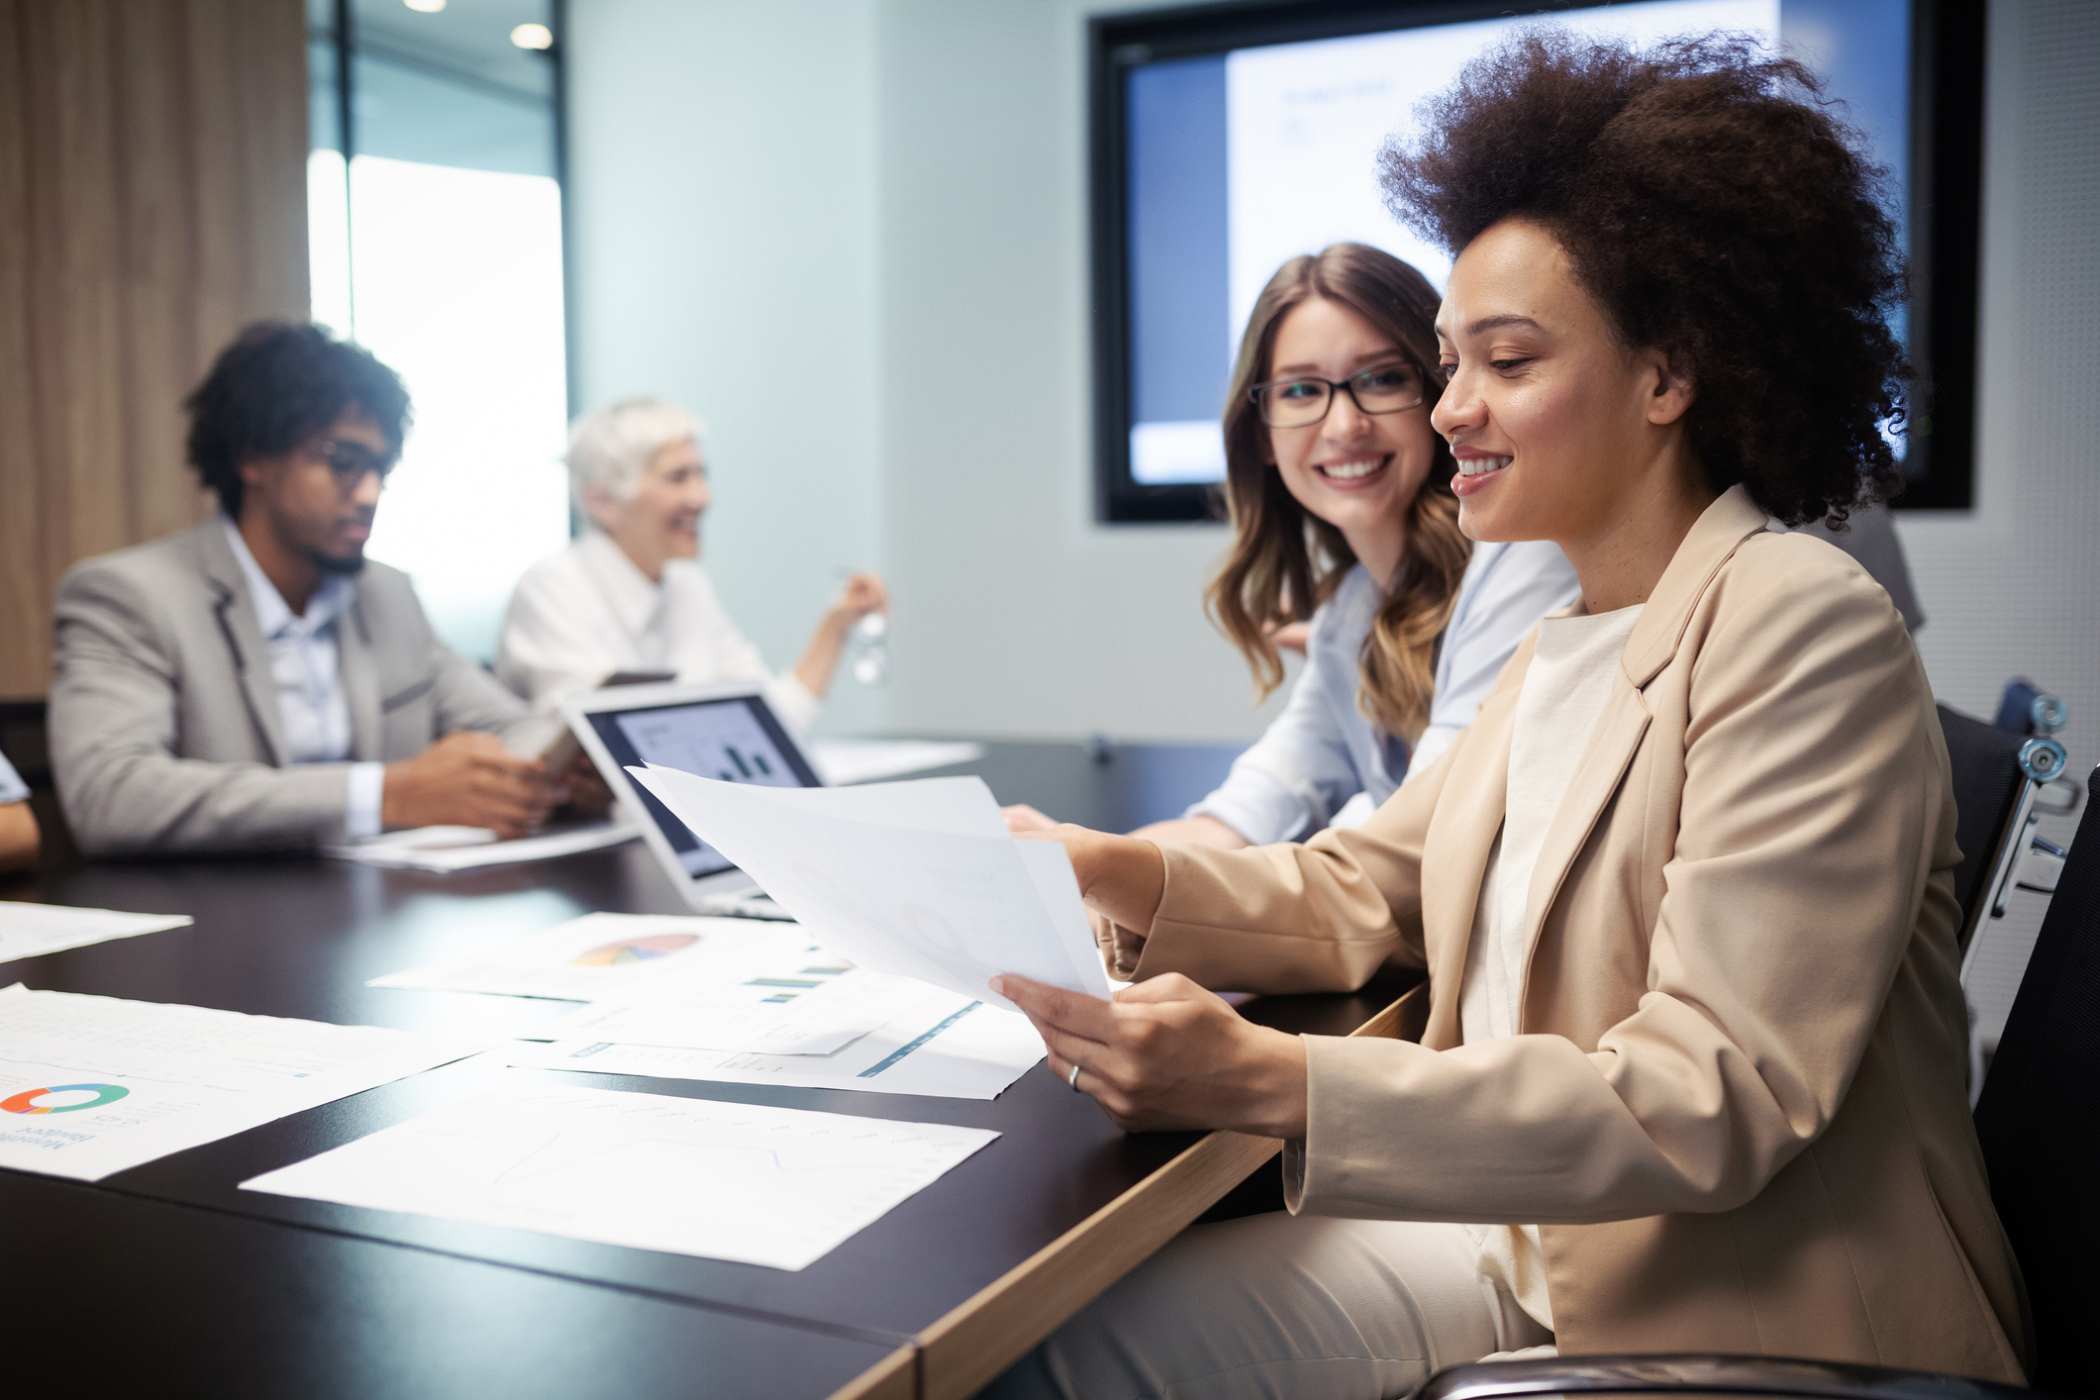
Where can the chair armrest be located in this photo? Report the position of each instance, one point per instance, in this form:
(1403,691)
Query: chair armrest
(1678,1374)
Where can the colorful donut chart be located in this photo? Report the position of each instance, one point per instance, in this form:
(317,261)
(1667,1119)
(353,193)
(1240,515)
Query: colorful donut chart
(26,1101)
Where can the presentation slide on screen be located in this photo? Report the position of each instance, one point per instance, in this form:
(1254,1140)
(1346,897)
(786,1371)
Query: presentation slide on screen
(1238,161)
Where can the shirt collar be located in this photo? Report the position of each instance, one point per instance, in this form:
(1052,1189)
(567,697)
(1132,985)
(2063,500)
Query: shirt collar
(273,615)
(633,598)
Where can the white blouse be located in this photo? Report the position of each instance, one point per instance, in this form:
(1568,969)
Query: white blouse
(1573,673)
(588,612)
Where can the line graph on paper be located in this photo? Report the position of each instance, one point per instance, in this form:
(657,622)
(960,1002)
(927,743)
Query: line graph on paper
(770,1186)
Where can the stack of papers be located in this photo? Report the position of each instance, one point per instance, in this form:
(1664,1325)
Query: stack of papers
(915,879)
(445,849)
(32,930)
(94,1085)
(772,1186)
(737,1001)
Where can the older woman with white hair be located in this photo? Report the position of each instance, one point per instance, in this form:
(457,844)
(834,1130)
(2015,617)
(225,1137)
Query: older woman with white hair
(629,595)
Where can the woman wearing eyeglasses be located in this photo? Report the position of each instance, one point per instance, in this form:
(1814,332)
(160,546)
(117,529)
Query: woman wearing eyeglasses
(1342,511)
(1692,1077)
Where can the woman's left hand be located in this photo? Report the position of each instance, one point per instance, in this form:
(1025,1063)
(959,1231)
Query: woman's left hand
(1165,1053)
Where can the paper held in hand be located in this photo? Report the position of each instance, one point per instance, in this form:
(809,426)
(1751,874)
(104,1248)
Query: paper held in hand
(919,879)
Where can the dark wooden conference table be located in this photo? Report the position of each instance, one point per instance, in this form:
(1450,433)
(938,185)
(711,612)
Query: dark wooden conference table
(167,1279)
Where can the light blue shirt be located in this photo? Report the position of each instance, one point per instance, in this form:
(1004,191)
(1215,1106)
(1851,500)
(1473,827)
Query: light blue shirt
(305,664)
(12,788)
(1322,751)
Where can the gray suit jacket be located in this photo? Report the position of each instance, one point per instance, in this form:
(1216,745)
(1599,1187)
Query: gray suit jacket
(165,731)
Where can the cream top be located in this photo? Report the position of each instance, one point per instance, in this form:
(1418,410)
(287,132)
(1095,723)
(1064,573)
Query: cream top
(1573,673)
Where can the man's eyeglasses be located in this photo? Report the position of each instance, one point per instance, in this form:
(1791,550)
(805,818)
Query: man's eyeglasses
(1300,403)
(349,461)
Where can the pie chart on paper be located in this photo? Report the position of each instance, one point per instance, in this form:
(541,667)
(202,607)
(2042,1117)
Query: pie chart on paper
(634,950)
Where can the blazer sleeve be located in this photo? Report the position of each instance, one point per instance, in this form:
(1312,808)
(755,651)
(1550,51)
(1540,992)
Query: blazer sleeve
(1318,917)
(1814,786)
(113,743)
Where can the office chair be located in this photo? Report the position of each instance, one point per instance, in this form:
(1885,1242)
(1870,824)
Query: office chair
(2043,1083)
(1997,774)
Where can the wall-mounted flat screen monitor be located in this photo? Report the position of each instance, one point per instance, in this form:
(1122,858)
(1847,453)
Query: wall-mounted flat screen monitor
(1229,138)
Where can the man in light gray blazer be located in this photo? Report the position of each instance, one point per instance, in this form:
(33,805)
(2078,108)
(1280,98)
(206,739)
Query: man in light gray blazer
(254,683)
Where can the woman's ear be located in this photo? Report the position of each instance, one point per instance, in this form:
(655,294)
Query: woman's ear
(597,504)
(1671,390)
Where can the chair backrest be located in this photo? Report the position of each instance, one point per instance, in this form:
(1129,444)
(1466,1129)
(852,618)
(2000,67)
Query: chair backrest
(2042,1095)
(1991,794)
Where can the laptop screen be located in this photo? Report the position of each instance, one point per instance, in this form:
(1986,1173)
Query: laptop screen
(736,739)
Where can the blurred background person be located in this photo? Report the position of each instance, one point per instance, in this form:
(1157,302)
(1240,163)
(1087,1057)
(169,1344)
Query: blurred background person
(629,597)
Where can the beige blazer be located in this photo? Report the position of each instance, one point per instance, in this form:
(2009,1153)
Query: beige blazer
(166,736)
(1736,1104)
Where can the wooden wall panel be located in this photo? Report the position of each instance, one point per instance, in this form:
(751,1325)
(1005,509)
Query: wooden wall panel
(152,202)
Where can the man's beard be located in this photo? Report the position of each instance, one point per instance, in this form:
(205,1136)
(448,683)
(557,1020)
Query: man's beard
(343,564)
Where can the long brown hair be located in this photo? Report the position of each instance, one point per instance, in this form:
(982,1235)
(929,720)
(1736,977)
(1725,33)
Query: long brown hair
(1285,561)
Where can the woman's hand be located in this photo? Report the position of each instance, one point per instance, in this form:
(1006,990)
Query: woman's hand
(1168,1054)
(1022,819)
(860,595)
(1120,877)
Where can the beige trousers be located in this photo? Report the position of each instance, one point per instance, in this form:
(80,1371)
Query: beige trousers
(1276,1305)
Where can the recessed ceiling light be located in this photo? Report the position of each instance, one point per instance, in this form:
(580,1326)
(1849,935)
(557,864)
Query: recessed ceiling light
(425,7)
(532,36)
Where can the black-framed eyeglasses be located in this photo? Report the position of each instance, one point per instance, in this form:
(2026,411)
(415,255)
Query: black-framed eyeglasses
(1302,402)
(349,461)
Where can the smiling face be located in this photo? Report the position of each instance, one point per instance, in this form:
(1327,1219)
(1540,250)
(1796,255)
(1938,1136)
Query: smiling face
(660,521)
(1561,432)
(1357,471)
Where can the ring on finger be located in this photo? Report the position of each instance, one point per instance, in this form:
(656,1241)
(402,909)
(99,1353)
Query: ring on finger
(1072,1079)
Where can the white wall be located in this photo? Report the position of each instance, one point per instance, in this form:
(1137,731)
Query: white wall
(911,179)
(722,170)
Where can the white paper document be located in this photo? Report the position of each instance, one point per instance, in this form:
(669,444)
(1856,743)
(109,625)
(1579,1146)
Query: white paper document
(31,930)
(610,957)
(444,849)
(806,1005)
(844,761)
(777,1187)
(931,1042)
(94,1085)
(916,879)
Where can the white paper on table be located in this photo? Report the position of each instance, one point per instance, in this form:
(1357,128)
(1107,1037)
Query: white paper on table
(943,906)
(94,1085)
(843,761)
(442,850)
(32,930)
(805,1006)
(934,1043)
(611,957)
(778,1187)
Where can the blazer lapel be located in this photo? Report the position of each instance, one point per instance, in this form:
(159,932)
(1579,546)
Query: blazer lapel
(1455,851)
(244,639)
(360,678)
(1714,536)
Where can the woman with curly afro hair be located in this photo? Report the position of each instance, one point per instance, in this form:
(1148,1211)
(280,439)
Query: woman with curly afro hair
(1691,1077)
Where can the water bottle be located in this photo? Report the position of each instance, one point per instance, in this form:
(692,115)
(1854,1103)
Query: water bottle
(871,659)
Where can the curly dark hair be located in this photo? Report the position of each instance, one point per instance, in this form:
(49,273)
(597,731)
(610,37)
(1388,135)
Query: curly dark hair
(1717,210)
(276,385)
